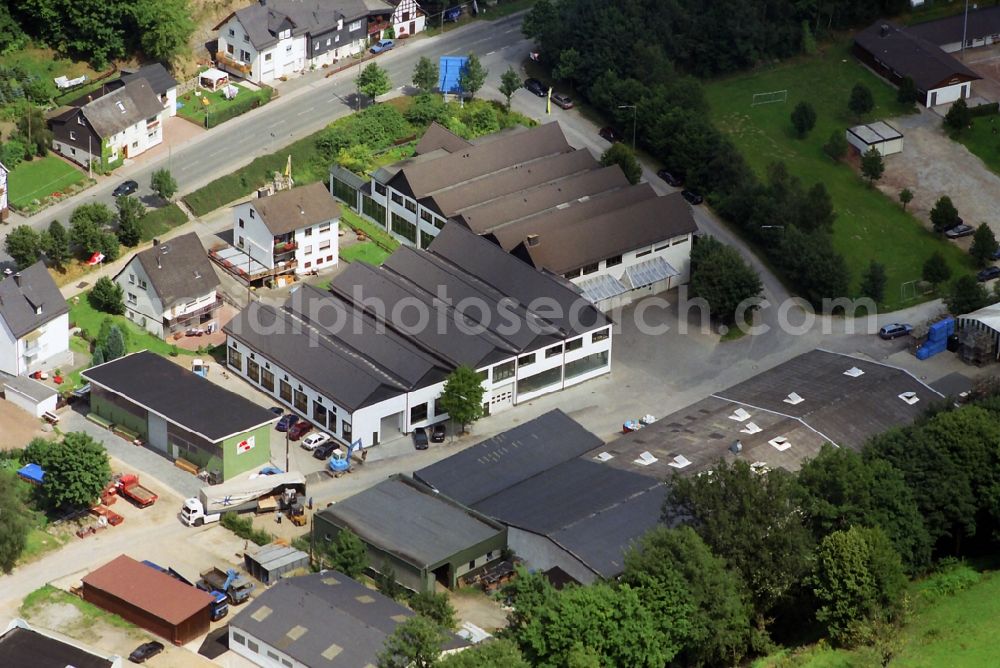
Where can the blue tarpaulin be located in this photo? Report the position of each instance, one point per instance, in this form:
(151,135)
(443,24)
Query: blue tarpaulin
(448,70)
(32,473)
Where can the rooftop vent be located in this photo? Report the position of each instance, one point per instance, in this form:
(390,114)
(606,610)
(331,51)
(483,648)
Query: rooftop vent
(17,279)
(739,415)
(645,459)
(909,397)
(532,240)
(121,107)
(760,467)
(679,462)
(854,372)
(751,428)
(301,210)
(793,399)
(604,456)
(737,447)
(883,30)
(780,443)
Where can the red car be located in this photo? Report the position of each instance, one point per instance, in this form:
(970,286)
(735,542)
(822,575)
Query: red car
(299,429)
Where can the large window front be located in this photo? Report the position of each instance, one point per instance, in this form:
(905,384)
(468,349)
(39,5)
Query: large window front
(373,209)
(301,403)
(425,239)
(539,381)
(418,413)
(503,371)
(253,371)
(235,359)
(285,391)
(586,364)
(404,228)
(345,430)
(319,412)
(267,380)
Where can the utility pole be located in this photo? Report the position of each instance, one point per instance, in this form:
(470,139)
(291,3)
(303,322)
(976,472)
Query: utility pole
(633,108)
(965,27)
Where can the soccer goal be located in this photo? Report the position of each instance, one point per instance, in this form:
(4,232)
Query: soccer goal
(908,291)
(770,98)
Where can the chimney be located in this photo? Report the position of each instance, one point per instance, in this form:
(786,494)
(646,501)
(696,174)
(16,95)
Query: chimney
(17,279)
(884,30)
(532,240)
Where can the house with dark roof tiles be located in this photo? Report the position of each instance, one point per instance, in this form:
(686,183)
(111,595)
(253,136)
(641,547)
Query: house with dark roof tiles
(34,322)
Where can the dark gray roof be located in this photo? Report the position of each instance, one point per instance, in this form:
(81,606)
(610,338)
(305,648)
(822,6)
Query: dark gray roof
(29,299)
(179,269)
(493,465)
(406,519)
(439,137)
(263,21)
(290,210)
(325,619)
(122,108)
(156,74)
(29,388)
(27,647)
(179,396)
(908,54)
(983,22)
(347,176)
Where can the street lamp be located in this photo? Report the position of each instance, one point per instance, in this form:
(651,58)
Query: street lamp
(965,27)
(633,108)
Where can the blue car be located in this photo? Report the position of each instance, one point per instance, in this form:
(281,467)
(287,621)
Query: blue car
(286,422)
(382,45)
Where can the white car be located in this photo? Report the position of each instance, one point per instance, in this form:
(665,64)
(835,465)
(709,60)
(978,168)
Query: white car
(313,441)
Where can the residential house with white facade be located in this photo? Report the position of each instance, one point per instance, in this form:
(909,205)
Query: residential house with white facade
(272,39)
(160,80)
(34,322)
(171,288)
(4,210)
(368,359)
(290,232)
(121,124)
(407,17)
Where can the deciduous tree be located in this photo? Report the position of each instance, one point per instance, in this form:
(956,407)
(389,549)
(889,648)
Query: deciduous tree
(86,225)
(803,119)
(936,270)
(462,396)
(56,244)
(944,215)
(472,76)
(872,165)
(873,282)
(620,154)
(24,245)
(76,472)
(14,522)
(425,75)
(164,27)
(415,643)
(130,214)
(861,101)
(496,653)
(435,606)
(721,277)
(385,581)
(836,145)
(984,245)
(107,296)
(905,197)
(958,117)
(373,81)
(510,82)
(347,554)
(967,295)
(163,184)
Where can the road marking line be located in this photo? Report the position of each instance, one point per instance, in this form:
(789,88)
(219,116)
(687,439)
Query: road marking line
(491,53)
(305,111)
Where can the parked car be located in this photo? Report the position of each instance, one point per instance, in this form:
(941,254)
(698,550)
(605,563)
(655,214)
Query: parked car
(438,432)
(988,274)
(996,254)
(562,100)
(145,651)
(325,450)
(692,197)
(961,230)
(452,15)
(535,86)
(420,438)
(277,410)
(301,428)
(126,188)
(286,422)
(610,134)
(313,441)
(671,179)
(894,331)
(382,45)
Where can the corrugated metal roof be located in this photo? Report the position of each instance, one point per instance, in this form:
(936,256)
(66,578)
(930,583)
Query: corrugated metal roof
(649,272)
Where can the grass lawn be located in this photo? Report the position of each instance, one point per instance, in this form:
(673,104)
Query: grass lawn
(158,222)
(49,595)
(379,236)
(44,64)
(869,226)
(84,316)
(195,109)
(367,251)
(979,139)
(40,178)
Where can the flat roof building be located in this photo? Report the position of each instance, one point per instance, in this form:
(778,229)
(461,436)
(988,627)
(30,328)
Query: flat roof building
(27,646)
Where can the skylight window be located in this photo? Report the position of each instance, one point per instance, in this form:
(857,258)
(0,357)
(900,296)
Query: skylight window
(739,415)
(751,428)
(604,456)
(645,459)
(121,106)
(909,397)
(780,443)
(793,399)
(854,372)
(680,461)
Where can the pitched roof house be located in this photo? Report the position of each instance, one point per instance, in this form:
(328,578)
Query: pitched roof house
(34,322)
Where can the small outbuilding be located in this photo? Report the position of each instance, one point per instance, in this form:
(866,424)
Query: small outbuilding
(30,395)
(271,562)
(880,136)
(149,598)
(213,79)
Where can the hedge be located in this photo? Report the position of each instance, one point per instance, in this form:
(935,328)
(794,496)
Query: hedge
(990,109)
(239,106)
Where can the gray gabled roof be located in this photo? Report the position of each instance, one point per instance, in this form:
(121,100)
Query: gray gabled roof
(910,55)
(263,21)
(29,299)
(21,645)
(178,269)
(122,108)
(439,137)
(290,210)
(160,80)
(983,22)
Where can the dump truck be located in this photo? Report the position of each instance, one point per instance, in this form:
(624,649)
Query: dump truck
(258,493)
(236,587)
(220,602)
(128,486)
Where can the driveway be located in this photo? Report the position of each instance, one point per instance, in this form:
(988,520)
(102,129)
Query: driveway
(932,165)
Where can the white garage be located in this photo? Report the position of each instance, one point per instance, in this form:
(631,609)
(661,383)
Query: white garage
(879,135)
(30,395)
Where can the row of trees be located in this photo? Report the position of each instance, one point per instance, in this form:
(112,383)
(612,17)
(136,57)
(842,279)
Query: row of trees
(374,80)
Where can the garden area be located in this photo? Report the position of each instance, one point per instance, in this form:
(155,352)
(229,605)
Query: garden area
(82,314)
(210,108)
(869,226)
(32,183)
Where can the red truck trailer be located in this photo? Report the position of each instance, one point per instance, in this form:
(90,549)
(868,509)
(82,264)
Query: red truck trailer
(129,487)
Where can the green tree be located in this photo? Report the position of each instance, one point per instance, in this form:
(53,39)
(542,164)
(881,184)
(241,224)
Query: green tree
(427,108)
(115,345)
(510,82)
(130,215)
(905,197)
(164,27)
(750,519)
(721,277)
(14,522)
(568,66)
(540,22)
(12,153)
(472,76)
(861,101)
(907,93)
(836,145)
(483,121)
(76,472)
(717,624)
(873,282)
(620,154)
(462,396)
(496,653)
(958,117)
(163,184)
(109,245)
(385,582)
(872,165)
(841,490)
(347,554)
(86,225)
(803,119)
(944,215)
(984,245)
(967,295)
(936,270)
(32,126)
(97,357)
(815,210)
(24,245)
(415,643)
(435,606)
(55,242)
(425,75)
(107,296)
(373,81)
(858,580)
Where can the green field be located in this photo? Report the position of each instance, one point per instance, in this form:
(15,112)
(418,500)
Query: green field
(869,225)
(980,140)
(158,222)
(366,251)
(195,110)
(49,595)
(84,316)
(40,178)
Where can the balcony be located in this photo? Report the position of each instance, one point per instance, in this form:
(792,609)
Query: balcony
(187,316)
(284,248)
(377,26)
(229,62)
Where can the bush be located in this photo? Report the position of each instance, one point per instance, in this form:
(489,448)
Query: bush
(107,296)
(990,109)
(243,103)
(243,527)
(952,577)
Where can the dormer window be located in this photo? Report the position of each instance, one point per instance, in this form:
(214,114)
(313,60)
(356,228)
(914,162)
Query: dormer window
(79,119)
(72,134)
(285,34)
(121,106)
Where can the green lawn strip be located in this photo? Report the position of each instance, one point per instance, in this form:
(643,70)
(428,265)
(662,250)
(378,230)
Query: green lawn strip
(84,316)
(82,348)
(505,8)
(195,110)
(40,178)
(39,543)
(869,225)
(44,65)
(158,222)
(982,142)
(366,251)
(378,235)
(49,595)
